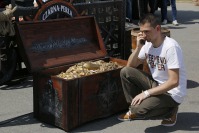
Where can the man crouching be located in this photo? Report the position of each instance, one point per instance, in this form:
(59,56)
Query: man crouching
(156,94)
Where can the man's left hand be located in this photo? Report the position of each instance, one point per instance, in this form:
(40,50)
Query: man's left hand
(138,99)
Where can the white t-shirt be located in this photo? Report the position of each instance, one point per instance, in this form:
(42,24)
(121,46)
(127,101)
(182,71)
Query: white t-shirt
(167,56)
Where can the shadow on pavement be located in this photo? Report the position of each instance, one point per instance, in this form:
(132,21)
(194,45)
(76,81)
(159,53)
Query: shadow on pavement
(19,120)
(192,84)
(175,27)
(18,84)
(98,125)
(188,17)
(186,122)
(28,119)
(25,119)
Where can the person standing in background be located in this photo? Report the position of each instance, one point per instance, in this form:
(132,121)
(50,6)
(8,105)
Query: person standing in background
(129,11)
(164,12)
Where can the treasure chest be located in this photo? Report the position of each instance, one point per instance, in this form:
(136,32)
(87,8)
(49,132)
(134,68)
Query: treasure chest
(51,47)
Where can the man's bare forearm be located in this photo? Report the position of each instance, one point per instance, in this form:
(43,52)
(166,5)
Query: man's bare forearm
(133,58)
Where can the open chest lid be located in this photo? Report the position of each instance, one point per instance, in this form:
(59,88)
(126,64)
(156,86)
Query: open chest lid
(51,43)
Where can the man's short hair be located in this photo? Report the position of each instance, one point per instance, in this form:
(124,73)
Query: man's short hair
(150,18)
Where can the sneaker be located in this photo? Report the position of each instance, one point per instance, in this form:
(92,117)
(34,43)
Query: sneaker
(164,21)
(127,116)
(175,23)
(128,20)
(172,120)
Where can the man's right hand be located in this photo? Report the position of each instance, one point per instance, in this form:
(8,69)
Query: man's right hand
(140,39)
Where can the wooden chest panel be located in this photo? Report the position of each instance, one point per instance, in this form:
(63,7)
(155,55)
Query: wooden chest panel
(56,101)
(100,96)
(52,43)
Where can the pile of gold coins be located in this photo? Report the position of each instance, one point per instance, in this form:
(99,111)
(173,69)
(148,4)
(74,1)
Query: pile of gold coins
(88,68)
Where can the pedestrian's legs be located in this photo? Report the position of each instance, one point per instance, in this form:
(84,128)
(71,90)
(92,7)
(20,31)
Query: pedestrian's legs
(164,9)
(129,9)
(174,9)
(141,8)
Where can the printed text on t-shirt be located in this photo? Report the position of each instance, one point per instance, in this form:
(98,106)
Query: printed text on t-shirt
(156,61)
